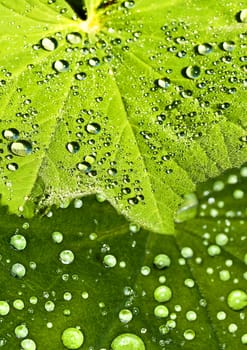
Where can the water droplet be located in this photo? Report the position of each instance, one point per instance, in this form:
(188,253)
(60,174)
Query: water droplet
(243,16)
(84,166)
(214,250)
(28,344)
(61,66)
(221,315)
(244,339)
(11,134)
(66,257)
(189,334)
(187,252)
(127,341)
(4,308)
(191,315)
(18,304)
(161,311)
(12,166)
(81,76)
(93,128)
(228,46)
(237,299)
(94,62)
(21,148)
(21,331)
(110,260)
(204,49)
(125,315)
(145,270)
(224,275)
(129,4)
(49,306)
(161,261)
(57,237)
(221,239)
(163,83)
(18,270)
(162,294)
(49,44)
(73,147)
(73,38)
(192,72)
(72,338)
(18,242)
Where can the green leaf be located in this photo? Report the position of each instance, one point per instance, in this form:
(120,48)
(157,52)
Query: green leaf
(129,103)
(118,267)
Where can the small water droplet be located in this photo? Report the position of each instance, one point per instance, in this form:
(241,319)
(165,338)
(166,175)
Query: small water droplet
(163,83)
(161,311)
(21,148)
(129,4)
(28,344)
(228,45)
(57,237)
(21,331)
(161,261)
(110,260)
(12,166)
(189,334)
(18,270)
(72,338)
(81,76)
(94,62)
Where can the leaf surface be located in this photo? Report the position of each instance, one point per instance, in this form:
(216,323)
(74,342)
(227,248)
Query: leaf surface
(207,262)
(127,103)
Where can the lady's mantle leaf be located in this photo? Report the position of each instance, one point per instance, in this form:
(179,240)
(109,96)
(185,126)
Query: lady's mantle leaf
(138,102)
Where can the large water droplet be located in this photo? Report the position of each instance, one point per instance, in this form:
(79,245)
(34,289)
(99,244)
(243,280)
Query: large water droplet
(28,344)
(93,128)
(10,134)
(66,257)
(18,270)
(127,341)
(204,49)
(61,66)
(74,38)
(110,260)
(18,242)
(49,44)
(161,261)
(243,16)
(72,338)
(21,331)
(237,299)
(21,148)
(228,46)
(192,72)
(4,308)
(162,294)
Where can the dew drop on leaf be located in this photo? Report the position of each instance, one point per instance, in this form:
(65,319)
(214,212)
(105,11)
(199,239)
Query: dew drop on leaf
(73,147)
(21,148)
(110,260)
(61,66)
(161,261)
(18,242)
(93,128)
(163,83)
(80,76)
(57,237)
(125,315)
(189,334)
(12,166)
(161,311)
(127,341)
(243,16)
(18,270)
(18,304)
(4,308)
(237,299)
(192,72)
(204,49)
(21,331)
(28,344)
(66,257)
(94,62)
(10,134)
(162,294)
(228,45)
(72,338)
(74,38)
(49,44)
(129,4)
